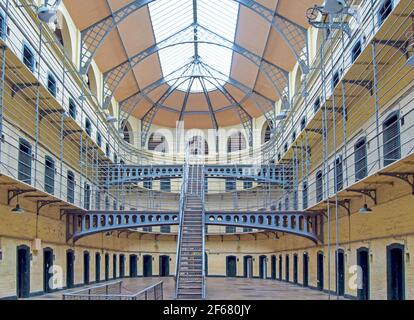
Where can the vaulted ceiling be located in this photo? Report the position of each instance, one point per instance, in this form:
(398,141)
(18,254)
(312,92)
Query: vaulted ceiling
(210,75)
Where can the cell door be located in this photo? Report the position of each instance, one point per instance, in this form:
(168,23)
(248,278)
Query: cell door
(147,266)
(363,263)
(122,266)
(133,262)
(47,270)
(86,260)
(23,272)
(97,267)
(395,272)
(262,267)
(106,267)
(231,271)
(295,269)
(273,267)
(320,271)
(340,273)
(164,266)
(305,270)
(70,259)
(248,267)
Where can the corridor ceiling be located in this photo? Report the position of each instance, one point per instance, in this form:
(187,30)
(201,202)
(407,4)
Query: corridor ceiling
(206,64)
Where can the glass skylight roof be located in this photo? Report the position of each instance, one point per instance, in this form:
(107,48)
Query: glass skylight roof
(172,16)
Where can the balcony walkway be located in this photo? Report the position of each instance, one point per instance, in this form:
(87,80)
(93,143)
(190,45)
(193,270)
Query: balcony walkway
(224,289)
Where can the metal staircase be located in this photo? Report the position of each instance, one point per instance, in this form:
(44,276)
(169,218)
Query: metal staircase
(190,271)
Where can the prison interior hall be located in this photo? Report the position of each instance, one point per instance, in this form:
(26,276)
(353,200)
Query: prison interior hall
(206,150)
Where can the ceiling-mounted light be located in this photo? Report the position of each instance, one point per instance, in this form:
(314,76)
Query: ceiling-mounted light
(365,209)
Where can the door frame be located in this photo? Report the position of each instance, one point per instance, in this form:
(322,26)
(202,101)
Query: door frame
(25,286)
(246,260)
(71,284)
(46,274)
(144,269)
(228,258)
(389,249)
(162,259)
(359,291)
(339,287)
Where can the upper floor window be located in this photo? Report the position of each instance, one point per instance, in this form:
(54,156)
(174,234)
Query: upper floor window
(360,154)
(88,127)
(230,185)
(287,203)
(28,57)
(3,28)
(87,196)
(385,10)
(51,85)
(303,123)
(293,136)
(148,185)
(247,184)
(165,185)
(335,79)
(198,146)
(107,203)
(392,141)
(157,142)
(72,108)
(319,186)
(71,187)
(49,175)
(268,132)
(98,200)
(305,195)
(236,142)
(99,139)
(285,148)
(356,50)
(317,104)
(107,150)
(338,175)
(25,161)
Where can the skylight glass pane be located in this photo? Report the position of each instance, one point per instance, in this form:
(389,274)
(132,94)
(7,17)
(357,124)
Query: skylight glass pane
(218,16)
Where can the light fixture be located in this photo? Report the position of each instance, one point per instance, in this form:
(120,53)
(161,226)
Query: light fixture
(17,209)
(365,209)
(111,119)
(281,116)
(410,61)
(48,12)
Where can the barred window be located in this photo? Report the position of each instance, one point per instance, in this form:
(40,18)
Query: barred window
(392,141)
(360,154)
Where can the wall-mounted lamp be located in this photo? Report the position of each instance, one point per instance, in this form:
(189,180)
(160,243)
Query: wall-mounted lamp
(410,61)
(365,209)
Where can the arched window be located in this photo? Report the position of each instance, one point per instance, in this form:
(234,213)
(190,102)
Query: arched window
(305,196)
(127,131)
(71,187)
(360,155)
(338,175)
(198,146)
(63,35)
(392,142)
(236,142)
(91,82)
(51,84)
(157,142)
(88,127)
(267,132)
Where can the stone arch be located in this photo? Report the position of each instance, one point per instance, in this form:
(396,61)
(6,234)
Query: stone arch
(63,34)
(127,132)
(158,142)
(236,142)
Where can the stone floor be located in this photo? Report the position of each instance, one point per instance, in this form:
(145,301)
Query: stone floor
(221,289)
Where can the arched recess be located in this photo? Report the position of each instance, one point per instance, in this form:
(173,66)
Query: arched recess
(267,132)
(198,146)
(236,142)
(158,142)
(91,82)
(297,82)
(128,132)
(65,35)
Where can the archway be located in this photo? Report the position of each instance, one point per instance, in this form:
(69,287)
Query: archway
(23,271)
(198,146)
(127,132)
(236,142)
(267,132)
(62,33)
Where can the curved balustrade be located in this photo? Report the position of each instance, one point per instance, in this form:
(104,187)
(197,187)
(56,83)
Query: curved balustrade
(302,224)
(97,222)
(275,174)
